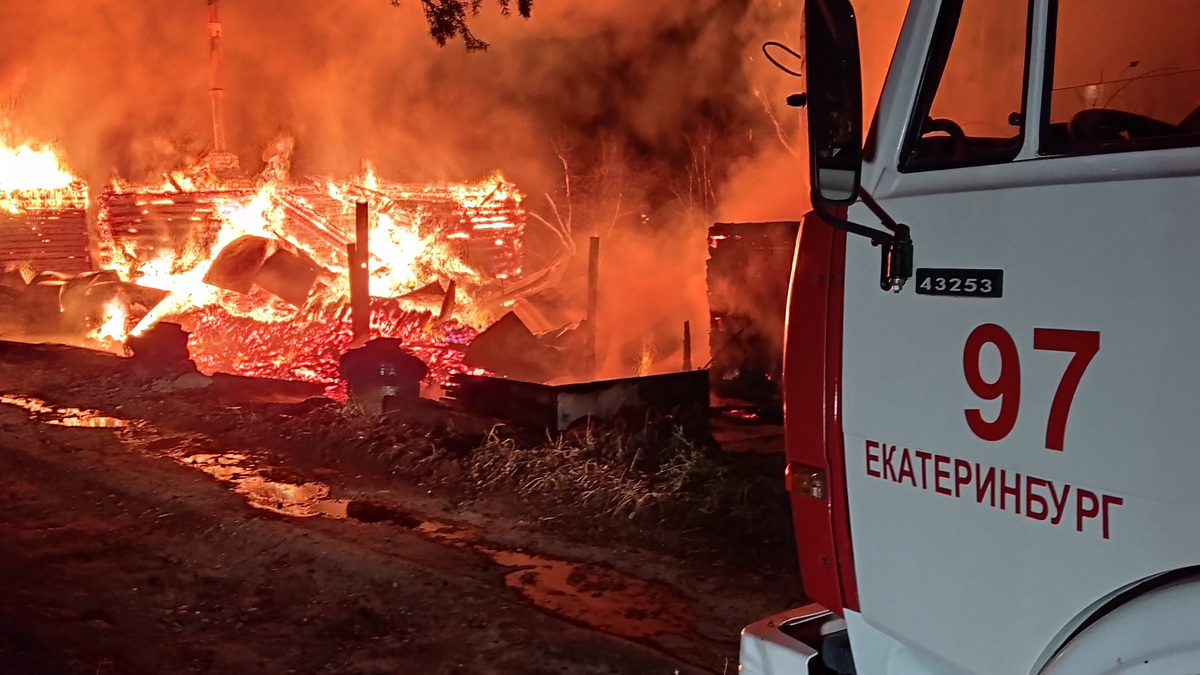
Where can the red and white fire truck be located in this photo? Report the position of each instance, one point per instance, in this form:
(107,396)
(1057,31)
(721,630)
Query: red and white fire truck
(992,368)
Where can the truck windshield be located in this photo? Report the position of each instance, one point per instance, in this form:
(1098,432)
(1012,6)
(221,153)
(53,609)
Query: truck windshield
(969,108)
(1125,76)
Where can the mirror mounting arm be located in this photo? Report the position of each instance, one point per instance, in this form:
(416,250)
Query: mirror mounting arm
(835,139)
(896,247)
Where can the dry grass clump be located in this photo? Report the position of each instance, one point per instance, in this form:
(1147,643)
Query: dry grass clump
(660,470)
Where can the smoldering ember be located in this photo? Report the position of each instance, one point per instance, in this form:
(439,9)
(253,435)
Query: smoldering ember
(328,349)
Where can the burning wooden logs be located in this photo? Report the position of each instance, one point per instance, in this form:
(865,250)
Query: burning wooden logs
(46,229)
(289,240)
(137,226)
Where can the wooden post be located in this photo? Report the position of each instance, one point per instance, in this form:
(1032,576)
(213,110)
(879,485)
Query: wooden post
(592,295)
(360,276)
(687,345)
(362,229)
(358,331)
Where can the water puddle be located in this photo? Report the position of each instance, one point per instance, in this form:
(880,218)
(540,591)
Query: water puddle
(92,421)
(592,595)
(365,512)
(301,501)
(63,417)
(588,594)
(33,405)
(602,598)
(453,534)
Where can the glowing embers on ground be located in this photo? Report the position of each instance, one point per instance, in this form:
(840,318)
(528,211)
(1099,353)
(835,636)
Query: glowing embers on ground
(307,347)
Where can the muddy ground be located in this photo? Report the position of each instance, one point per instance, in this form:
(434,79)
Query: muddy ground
(155,524)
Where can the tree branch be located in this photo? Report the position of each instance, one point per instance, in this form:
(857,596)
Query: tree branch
(448,19)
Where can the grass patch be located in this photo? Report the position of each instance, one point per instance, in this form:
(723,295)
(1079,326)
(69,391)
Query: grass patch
(657,471)
(660,474)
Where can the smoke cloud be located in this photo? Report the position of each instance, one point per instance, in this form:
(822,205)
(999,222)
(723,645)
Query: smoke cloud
(664,115)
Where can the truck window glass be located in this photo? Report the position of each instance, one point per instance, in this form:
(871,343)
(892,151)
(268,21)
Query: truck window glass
(1125,75)
(969,108)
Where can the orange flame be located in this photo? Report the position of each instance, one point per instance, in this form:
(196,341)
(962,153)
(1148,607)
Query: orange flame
(34,178)
(169,235)
(420,237)
(113,324)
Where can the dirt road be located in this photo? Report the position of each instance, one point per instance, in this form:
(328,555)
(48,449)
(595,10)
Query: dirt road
(138,547)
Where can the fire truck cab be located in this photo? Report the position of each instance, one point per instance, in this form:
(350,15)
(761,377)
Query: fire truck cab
(992,366)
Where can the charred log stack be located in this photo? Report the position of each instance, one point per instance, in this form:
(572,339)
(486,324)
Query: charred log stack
(486,222)
(158,223)
(483,224)
(45,230)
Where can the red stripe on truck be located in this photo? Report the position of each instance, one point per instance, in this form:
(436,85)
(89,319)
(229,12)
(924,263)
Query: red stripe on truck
(812,413)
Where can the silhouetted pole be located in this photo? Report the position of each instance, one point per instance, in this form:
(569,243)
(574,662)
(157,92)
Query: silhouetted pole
(362,228)
(360,276)
(687,345)
(592,294)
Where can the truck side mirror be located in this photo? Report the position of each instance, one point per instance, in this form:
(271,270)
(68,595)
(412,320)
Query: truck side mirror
(835,135)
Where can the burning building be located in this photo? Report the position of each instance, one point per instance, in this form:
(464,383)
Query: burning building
(258,269)
(267,273)
(43,212)
(261,277)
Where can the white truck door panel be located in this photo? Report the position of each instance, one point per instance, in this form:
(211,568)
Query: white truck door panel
(1099,256)
(956,557)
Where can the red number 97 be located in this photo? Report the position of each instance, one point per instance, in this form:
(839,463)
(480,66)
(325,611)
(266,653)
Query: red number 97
(1006,387)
